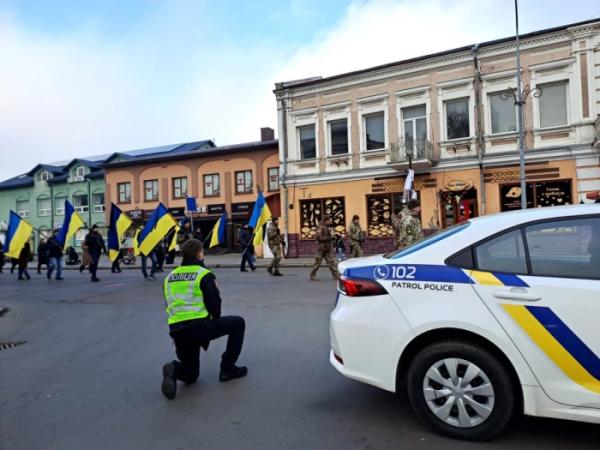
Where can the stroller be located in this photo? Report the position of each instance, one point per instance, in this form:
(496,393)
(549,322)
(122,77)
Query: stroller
(72,257)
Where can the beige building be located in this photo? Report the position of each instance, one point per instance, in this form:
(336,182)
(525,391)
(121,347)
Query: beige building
(346,140)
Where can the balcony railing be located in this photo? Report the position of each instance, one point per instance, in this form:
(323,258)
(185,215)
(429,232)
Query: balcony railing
(420,150)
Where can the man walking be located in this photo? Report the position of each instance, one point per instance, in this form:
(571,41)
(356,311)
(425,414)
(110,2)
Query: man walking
(410,227)
(95,245)
(275,243)
(152,258)
(324,241)
(194,316)
(356,237)
(55,256)
(185,233)
(246,236)
(42,254)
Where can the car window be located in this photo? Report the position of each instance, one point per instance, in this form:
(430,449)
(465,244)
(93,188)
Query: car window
(565,248)
(504,253)
(431,239)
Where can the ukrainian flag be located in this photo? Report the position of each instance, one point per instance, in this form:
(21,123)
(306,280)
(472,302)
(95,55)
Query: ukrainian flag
(72,223)
(17,235)
(218,232)
(119,224)
(260,216)
(173,243)
(156,228)
(136,246)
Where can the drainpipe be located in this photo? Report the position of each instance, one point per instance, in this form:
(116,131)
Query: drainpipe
(281,110)
(480,144)
(51,207)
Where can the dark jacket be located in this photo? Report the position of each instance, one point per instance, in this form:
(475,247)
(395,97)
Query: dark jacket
(42,252)
(24,256)
(95,243)
(245,238)
(55,250)
(184,235)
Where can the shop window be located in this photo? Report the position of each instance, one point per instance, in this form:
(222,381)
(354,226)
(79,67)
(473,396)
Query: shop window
(504,253)
(124,192)
(150,190)
(311,212)
(379,214)
(338,135)
(308,143)
(457,118)
(212,186)
(243,182)
(273,174)
(502,114)
(553,105)
(374,131)
(458,206)
(539,194)
(180,187)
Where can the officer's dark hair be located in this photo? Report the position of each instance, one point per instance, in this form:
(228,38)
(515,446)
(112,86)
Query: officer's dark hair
(355,217)
(412,204)
(190,249)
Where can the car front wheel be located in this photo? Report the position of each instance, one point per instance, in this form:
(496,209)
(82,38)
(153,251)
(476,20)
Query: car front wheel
(461,390)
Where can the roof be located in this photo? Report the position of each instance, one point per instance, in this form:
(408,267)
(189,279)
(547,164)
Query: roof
(199,152)
(318,80)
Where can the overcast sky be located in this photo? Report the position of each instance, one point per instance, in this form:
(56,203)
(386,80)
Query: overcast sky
(83,78)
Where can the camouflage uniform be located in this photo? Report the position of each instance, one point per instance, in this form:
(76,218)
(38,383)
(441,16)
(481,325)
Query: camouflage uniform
(324,239)
(274,240)
(397,226)
(356,239)
(410,229)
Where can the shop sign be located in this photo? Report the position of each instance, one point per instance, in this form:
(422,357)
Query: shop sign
(177,212)
(244,208)
(216,209)
(135,214)
(457,185)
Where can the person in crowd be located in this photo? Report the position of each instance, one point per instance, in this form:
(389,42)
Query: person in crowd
(276,245)
(194,317)
(159,253)
(95,245)
(246,237)
(171,254)
(55,256)
(324,248)
(116,264)
(42,254)
(14,262)
(23,260)
(2,258)
(357,237)
(86,259)
(198,234)
(410,226)
(185,233)
(340,247)
(152,257)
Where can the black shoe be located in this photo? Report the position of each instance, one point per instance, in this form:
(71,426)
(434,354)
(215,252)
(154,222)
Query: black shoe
(169,383)
(48,276)
(28,278)
(270,270)
(233,373)
(59,278)
(95,280)
(81,269)
(21,278)
(253,269)
(152,277)
(278,274)
(243,270)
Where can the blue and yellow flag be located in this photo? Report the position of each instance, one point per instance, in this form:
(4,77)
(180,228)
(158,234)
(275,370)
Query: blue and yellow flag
(173,243)
(218,233)
(260,216)
(119,224)
(17,235)
(136,245)
(72,223)
(156,228)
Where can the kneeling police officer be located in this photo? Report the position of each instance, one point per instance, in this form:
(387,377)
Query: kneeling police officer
(194,316)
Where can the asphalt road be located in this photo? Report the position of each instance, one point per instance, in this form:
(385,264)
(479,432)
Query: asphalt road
(88,376)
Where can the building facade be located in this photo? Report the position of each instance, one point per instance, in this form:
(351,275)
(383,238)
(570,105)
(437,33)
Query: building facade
(222,179)
(347,140)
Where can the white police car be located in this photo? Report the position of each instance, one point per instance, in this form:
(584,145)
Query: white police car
(488,318)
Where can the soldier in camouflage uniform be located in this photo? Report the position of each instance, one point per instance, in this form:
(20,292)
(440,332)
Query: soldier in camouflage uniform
(324,249)
(409,228)
(275,242)
(356,237)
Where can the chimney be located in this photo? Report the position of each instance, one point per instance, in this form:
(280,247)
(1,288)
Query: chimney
(267,134)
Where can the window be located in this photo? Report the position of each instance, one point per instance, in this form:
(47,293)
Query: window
(415,128)
(502,114)
(98,202)
(243,182)
(308,143)
(504,253)
(374,131)
(180,187)
(23,208)
(80,202)
(80,171)
(541,193)
(553,105)
(44,175)
(212,186)
(338,134)
(59,205)
(311,212)
(565,248)
(379,214)
(44,207)
(457,118)
(150,190)
(124,192)
(273,174)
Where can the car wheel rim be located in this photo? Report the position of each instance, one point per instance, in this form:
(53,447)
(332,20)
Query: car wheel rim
(458,393)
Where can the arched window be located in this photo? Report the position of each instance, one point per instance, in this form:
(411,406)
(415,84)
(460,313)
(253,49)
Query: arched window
(44,175)
(80,171)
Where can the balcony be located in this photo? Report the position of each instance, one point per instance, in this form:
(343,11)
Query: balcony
(417,154)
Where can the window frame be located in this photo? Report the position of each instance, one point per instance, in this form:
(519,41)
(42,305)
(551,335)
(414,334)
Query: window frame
(413,123)
(77,169)
(157,190)
(174,188)
(47,210)
(299,142)
(364,131)
(445,117)
(98,207)
(335,120)
(490,119)
(247,190)
(522,227)
(269,179)
(123,202)
(81,208)
(212,175)
(566,82)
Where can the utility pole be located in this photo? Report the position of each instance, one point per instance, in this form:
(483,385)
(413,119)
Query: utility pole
(519,104)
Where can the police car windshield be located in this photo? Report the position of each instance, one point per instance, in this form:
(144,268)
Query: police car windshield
(431,239)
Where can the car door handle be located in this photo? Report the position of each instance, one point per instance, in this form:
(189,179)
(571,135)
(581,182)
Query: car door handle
(517,294)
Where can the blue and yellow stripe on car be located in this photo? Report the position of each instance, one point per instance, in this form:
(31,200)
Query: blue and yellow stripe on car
(559,343)
(497,279)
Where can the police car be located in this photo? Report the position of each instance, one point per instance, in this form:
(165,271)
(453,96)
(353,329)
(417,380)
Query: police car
(486,319)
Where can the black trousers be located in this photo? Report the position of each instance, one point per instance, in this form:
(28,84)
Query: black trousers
(189,341)
(94,264)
